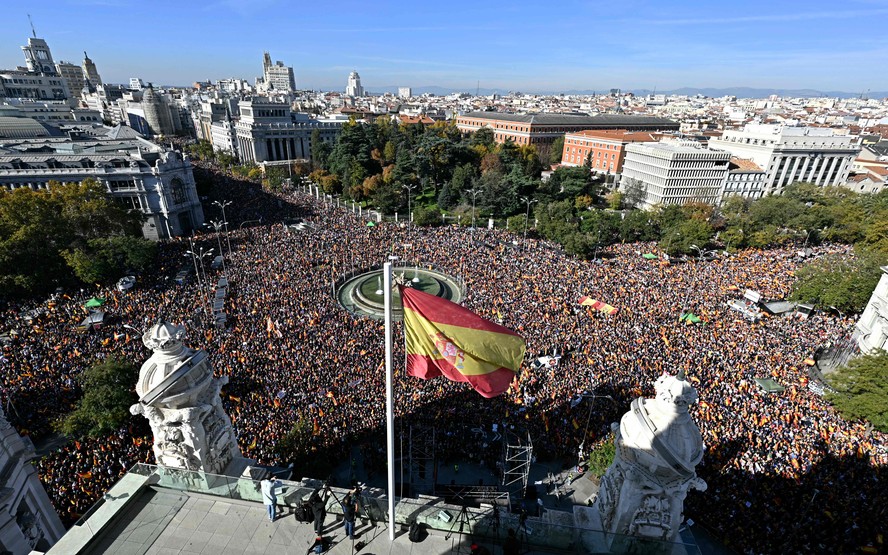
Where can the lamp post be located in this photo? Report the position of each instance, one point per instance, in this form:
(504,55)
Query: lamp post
(699,252)
(200,255)
(528,202)
(409,189)
(222,205)
(217,225)
(474,193)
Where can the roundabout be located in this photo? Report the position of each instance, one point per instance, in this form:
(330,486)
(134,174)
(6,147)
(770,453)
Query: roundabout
(362,295)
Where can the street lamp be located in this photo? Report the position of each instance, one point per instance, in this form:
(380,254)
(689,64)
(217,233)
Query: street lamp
(474,193)
(409,189)
(200,255)
(222,205)
(528,202)
(218,227)
(699,252)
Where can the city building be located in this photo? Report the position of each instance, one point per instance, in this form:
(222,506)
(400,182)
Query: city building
(277,76)
(744,179)
(872,327)
(674,172)
(788,155)
(39,80)
(48,111)
(605,150)
(405,92)
(136,84)
(28,522)
(544,128)
(73,76)
(268,131)
(137,173)
(354,88)
(90,72)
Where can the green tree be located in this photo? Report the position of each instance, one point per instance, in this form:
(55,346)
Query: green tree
(320,150)
(638,225)
(426,216)
(108,392)
(633,192)
(680,238)
(106,258)
(839,281)
(861,388)
(601,456)
(556,150)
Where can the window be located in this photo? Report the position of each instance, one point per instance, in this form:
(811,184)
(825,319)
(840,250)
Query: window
(177,190)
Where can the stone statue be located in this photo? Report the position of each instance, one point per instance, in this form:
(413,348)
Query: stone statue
(658,447)
(180,398)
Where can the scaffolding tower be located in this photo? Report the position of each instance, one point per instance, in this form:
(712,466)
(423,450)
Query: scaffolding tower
(517,456)
(423,471)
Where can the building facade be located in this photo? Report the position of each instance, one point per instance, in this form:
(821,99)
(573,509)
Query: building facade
(137,173)
(354,88)
(541,129)
(73,77)
(605,150)
(744,179)
(791,154)
(28,521)
(674,172)
(267,131)
(277,76)
(90,72)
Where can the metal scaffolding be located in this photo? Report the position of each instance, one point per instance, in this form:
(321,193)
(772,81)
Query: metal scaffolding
(517,456)
(421,460)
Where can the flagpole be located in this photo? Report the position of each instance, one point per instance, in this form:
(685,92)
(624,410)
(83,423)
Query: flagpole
(389,396)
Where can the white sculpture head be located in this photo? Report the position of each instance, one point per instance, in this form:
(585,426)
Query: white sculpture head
(675,393)
(164,337)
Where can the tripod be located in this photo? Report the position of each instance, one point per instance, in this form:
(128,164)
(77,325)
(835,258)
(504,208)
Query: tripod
(493,523)
(463,519)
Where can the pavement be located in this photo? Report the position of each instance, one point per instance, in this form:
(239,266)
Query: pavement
(166,522)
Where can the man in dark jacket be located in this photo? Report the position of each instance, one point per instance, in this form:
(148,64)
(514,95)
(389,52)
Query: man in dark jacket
(318,510)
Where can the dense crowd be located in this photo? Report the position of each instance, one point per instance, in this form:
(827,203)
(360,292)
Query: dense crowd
(294,355)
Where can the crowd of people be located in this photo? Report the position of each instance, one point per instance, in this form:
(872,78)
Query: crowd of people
(294,355)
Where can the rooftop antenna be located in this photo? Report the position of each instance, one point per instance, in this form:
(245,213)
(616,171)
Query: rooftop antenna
(478,87)
(33,31)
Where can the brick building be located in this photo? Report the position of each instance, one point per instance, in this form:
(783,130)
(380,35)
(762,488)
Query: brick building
(542,129)
(606,149)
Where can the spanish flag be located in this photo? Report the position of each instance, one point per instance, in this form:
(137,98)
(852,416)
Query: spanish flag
(442,337)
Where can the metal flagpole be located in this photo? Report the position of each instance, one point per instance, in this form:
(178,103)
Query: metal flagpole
(389,396)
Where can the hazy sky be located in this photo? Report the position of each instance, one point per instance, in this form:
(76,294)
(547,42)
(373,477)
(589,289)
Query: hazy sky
(506,45)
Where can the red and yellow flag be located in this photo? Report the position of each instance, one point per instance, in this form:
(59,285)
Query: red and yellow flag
(443,338)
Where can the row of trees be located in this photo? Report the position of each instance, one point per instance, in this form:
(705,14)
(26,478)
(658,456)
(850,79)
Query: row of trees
(49,238)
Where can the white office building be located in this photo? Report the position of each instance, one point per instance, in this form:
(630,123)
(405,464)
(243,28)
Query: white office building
(268,131)
(674,172)
(792,154)
(405,92)
(277,76)
(354,88)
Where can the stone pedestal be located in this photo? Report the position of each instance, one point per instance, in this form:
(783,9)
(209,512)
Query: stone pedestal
(658,447)
(180,398)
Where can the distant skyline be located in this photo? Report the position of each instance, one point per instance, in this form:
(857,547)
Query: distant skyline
(520,46)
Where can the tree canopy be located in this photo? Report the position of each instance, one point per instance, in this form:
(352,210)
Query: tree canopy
(108,392)
(44,235)
(861,389)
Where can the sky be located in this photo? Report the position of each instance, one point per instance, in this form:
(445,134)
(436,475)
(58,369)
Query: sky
(514,45)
